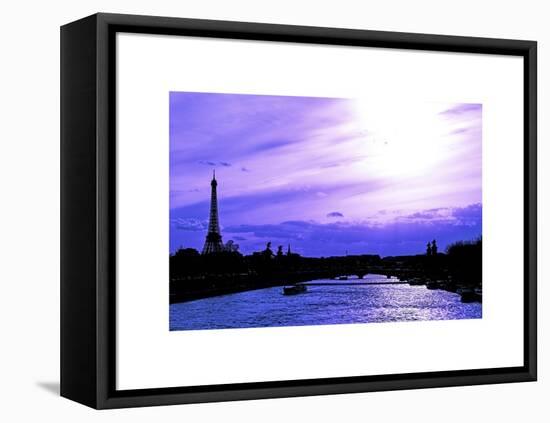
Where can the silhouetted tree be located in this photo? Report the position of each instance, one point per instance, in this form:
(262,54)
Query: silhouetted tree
(185,262)
(465,262)
(231,246)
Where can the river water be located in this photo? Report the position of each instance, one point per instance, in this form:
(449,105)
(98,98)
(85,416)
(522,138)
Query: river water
(323,305)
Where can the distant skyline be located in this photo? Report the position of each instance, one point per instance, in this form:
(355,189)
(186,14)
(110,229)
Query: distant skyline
(325,175)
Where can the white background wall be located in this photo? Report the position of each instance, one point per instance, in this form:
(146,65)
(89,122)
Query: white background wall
(29,212)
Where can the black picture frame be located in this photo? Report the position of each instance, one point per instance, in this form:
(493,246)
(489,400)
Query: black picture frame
(88,198)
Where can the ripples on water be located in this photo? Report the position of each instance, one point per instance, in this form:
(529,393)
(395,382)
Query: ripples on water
(322,305)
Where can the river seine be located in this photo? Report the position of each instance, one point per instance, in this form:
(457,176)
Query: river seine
(349,301)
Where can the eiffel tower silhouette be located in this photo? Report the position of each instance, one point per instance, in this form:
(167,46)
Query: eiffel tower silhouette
(213,242)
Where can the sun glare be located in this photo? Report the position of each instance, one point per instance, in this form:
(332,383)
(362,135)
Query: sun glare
(401,139)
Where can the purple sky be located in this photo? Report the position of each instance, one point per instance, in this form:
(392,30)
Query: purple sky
(326,175)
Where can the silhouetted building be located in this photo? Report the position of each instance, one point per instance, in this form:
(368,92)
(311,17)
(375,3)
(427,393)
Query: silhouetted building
(213,243)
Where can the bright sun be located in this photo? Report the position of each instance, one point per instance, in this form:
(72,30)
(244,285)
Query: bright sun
(401,139)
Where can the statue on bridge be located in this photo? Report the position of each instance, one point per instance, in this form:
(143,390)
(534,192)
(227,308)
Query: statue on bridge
(434,248)
(268,252)
(431,248)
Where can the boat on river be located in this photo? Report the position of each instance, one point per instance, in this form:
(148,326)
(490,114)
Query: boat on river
(469,295)
(435,284)
(294,289)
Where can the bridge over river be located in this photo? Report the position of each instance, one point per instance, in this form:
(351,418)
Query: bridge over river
(352,283)
(213,285)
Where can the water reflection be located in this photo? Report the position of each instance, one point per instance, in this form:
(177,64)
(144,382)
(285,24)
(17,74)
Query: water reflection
(323,305)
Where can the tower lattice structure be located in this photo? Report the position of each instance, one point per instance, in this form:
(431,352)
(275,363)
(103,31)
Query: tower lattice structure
(213,242)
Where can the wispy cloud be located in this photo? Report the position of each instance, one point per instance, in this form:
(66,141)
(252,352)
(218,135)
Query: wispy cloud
(189,224)
(207,163)
(461,109)
(211,163)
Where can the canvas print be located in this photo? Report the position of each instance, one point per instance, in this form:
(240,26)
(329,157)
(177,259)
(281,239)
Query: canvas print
(293,211)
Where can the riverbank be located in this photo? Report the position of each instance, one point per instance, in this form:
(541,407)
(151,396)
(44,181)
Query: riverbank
(189,289)
(180,293)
